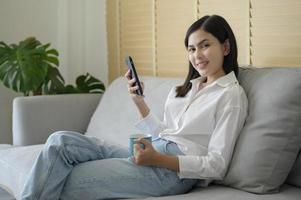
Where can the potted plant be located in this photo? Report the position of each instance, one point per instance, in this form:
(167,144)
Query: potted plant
(32,68)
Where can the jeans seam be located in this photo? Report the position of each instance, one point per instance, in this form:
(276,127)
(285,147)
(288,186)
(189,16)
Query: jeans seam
(84,147)
(48,173)
(108,179)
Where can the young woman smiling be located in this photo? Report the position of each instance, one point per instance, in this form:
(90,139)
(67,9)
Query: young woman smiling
(193,144)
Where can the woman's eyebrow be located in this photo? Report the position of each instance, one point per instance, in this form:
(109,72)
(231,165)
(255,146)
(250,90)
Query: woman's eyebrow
(198,44)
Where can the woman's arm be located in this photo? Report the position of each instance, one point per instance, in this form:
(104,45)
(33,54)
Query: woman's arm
(142,106)
(149,123)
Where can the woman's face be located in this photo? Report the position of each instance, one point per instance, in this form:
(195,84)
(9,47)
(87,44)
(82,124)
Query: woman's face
(206,54)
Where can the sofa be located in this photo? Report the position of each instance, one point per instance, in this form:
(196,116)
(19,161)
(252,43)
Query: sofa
(266,163)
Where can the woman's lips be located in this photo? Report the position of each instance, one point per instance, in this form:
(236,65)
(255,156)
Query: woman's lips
(202,65)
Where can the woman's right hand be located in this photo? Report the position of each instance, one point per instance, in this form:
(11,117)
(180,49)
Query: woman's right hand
(131,88)
(138,100)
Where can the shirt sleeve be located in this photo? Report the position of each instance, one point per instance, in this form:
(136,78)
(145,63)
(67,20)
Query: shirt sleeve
(220,148)
(150,125)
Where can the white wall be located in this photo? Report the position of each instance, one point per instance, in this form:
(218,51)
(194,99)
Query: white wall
(76,28)
(82,38)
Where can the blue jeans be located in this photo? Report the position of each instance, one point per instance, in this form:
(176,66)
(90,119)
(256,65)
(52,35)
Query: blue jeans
(62,171)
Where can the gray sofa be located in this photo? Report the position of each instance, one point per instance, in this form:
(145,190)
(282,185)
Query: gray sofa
(265,163)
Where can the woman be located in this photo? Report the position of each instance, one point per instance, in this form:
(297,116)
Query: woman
(194,143)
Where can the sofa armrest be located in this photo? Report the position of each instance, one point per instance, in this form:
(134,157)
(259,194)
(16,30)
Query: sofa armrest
(36,117)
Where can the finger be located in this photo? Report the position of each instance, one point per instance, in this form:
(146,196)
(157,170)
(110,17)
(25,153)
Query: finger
(132,81)
(142,85)
(128,74)
(133,89)
(137,147)
(145,142)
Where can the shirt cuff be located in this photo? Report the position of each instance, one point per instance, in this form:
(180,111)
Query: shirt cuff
(188,166)
(149,124)
(201,167)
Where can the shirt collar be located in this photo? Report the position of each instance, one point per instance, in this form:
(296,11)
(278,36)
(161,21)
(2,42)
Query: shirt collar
(223,81)
(226,80)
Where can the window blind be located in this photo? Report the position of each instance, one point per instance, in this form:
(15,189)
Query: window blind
(275,33)
(152,31)
(113,39)
(136,34)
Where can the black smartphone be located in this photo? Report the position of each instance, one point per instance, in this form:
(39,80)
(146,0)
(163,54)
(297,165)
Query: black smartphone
(129,62)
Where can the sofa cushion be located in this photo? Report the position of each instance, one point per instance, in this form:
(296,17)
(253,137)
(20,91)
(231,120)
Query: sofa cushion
(15,164)
(294,177)
(215,192)
(270,140)
(116,114)
(4,195)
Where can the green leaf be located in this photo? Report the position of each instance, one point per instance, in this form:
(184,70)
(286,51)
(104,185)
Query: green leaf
(46,45)
(70,89)
(24,66)
(32,68)
(52,52)
(89,84)
(52,60)
(54,82)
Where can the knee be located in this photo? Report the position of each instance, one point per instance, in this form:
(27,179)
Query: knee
(59,138)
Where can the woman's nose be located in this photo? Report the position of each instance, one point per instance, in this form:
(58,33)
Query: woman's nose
(198,53)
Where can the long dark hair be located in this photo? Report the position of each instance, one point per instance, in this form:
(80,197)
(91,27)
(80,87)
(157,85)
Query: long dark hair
(219,28)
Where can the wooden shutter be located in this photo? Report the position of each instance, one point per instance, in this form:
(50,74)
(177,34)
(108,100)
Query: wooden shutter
(276,33)
(136,34)
(113,39)
(237,15)
(173,17)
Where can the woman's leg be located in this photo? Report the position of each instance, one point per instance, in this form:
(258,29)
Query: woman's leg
(62,151)
(121,178)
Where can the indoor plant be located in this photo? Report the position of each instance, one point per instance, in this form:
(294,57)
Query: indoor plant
(32,68)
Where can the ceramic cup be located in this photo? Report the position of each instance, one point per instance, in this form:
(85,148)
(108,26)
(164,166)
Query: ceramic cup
(134,137)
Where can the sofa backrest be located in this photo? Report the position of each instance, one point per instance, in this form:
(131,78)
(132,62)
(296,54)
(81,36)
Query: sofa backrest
(116,114)
(6,99)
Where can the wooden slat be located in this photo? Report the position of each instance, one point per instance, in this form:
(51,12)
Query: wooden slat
(136,34)
(270,3)
(276,33)
(113,39)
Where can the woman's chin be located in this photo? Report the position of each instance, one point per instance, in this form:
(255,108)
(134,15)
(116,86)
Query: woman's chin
(203,72)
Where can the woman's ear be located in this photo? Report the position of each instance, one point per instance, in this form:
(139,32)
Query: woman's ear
(226,47)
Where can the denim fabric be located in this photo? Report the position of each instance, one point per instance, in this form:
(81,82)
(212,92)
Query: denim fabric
(62,171)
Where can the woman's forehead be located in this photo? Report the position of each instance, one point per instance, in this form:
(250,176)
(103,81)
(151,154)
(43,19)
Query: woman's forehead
(200,35)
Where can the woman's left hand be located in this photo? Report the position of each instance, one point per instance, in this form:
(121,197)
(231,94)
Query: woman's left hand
(148,155)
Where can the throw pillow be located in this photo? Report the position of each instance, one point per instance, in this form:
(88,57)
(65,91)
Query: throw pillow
(270,140)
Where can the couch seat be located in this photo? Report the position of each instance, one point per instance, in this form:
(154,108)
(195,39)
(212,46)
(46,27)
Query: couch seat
(15,164)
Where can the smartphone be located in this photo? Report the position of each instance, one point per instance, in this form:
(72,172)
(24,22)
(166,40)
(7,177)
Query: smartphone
(129,62)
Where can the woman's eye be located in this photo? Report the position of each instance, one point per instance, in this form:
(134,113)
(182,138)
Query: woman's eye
(191,50)
(205,46)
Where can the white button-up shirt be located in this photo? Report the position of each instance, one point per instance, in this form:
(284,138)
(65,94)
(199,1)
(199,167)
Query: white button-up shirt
(205,124)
